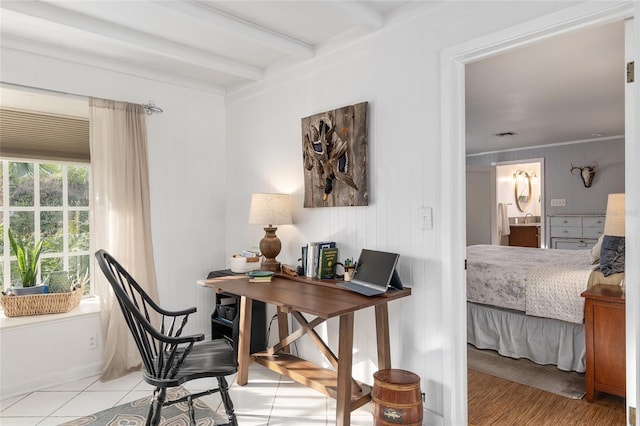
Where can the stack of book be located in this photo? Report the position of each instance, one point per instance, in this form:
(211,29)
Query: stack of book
(319,259)
(260,276)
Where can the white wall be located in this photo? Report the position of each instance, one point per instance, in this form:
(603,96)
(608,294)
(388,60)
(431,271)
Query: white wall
(31,352)
(398,73)
(187,175)
(560,183)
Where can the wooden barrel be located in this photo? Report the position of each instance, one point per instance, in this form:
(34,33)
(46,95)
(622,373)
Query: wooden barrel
(396,398)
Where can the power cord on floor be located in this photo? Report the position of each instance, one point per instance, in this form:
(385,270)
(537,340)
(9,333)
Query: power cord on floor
(269,327)
(294,344)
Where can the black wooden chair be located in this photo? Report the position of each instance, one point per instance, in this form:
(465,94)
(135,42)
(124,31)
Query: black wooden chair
(169,359)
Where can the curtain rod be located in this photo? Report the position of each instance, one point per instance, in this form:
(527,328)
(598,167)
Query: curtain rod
(33,89)
(150,107)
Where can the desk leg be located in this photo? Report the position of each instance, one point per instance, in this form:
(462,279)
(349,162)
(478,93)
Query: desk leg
(345,359)
(244,340)
(382,336)
(283,327)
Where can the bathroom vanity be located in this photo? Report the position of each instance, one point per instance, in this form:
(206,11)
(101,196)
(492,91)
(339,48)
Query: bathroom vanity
(525,235)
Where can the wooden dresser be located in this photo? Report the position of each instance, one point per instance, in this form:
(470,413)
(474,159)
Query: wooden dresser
(574,232)
(604,319)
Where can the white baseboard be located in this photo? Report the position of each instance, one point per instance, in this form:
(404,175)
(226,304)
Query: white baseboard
(54,378)
(430,418)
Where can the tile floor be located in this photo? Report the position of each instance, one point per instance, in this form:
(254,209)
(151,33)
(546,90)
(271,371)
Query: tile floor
(268,400)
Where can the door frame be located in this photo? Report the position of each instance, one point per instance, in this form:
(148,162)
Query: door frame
(453,60)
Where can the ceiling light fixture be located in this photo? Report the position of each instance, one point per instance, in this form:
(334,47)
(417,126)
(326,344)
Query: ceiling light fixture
(520,173)
(503,134)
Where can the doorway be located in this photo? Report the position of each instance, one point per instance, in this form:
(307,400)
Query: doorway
(453,142)
(520,191)
(503,197)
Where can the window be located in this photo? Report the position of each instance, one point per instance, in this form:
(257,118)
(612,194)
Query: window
(46,201)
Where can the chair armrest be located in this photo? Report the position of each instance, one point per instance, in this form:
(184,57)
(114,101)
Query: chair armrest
(188,311)
(194,337)
(150,302)
(176,340)
(175,329)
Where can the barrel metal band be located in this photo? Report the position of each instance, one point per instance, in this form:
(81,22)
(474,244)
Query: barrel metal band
(394,404)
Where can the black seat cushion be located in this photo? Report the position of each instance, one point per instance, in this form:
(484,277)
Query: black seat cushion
(213,358)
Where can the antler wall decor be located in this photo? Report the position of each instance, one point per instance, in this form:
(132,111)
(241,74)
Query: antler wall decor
(587,173)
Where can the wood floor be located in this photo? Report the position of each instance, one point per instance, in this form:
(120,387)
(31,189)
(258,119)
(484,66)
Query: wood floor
(495,401)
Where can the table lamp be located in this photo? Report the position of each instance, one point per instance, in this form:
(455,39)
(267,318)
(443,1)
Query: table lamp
(614,220)
(612,252)
(270,210)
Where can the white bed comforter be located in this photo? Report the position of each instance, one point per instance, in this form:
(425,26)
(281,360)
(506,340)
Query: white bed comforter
(545,283)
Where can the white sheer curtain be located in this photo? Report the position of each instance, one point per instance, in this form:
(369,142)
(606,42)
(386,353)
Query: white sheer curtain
(121,218)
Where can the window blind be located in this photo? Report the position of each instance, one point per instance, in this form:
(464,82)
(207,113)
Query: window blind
(43,136)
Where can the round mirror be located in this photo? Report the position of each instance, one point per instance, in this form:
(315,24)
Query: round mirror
(523,191)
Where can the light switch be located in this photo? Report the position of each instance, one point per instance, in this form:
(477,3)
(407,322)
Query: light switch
(426,218)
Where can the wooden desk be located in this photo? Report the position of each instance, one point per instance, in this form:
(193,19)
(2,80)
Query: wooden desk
(324,300)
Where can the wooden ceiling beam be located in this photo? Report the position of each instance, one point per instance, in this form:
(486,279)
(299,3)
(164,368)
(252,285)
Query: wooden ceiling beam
(133,38)
(238,26)
(361,14)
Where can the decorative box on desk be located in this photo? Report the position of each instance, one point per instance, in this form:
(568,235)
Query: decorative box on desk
(226,315)
(604,320)
(241,264)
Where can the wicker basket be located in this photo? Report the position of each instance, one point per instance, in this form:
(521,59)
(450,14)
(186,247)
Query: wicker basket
(39,304)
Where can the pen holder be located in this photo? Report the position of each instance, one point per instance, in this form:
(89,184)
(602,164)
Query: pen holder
(348,272)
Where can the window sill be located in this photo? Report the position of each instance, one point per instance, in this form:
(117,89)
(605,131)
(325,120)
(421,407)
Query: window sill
(88,307)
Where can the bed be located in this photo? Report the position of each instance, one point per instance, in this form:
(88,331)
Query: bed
(525,302)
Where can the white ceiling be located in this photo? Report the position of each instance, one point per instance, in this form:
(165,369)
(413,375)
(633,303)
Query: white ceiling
(565,89)
(569,88)
(216,44)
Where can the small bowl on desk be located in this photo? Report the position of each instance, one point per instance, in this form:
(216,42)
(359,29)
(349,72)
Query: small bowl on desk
(241,264)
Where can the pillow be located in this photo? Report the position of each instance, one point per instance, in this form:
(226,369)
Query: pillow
(612,255)
(594,256)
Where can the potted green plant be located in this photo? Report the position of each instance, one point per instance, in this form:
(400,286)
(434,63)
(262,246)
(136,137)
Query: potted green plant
(27,259)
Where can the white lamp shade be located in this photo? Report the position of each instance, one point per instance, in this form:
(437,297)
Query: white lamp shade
(614,221)
(270,209)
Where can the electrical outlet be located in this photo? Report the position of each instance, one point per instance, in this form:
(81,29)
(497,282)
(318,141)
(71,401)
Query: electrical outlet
(92,343)
(558,202)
